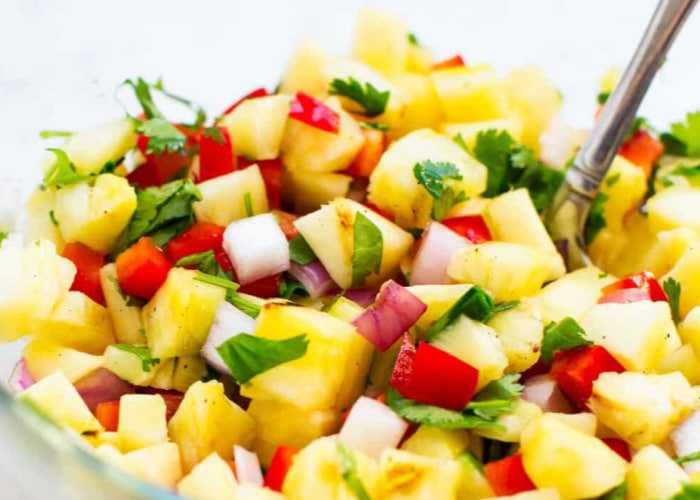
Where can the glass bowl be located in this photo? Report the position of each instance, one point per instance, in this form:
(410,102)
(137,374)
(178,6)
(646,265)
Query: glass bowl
(63,60)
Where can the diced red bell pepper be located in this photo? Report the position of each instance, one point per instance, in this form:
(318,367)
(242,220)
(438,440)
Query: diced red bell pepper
(107,413)
(142,268)
(472,227)
(286,222)
(644,281)
(625,296)
(260,92)
(402,374)
(507,476)
(88,263)
(200,237)
(161,168)
(216,155)
(642,149)
(619,446)
(435,378)
(280,464)
(265,288)
(172,399)
(314,113)
(369,155)
(271,171)
(455,61)
(575,370)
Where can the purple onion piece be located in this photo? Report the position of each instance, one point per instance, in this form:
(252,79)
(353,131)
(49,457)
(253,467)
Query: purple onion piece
(100,386)
(313,277)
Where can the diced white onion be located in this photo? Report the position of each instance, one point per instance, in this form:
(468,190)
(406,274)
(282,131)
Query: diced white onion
(20,379)
(247,466)
(435,249)
(686,440)
(559,142)
(543,391)
(229,321)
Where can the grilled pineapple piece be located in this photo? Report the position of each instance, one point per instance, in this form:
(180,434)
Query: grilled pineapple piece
(405,475)
(520,331)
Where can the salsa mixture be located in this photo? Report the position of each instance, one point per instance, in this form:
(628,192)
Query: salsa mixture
(343,288)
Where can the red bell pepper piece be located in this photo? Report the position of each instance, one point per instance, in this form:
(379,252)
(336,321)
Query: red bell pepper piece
(216,157)
(402,374)
(271,171)
(265,288)
(643,149)
(575,370)
(107,413)
(142,268)
(453,62)
(88,263)
(507,476)
(314,113)
(369,155)
(286,222)
(200,237)
(434,377)
(619,446)
(161,168)
(643,281)
(280,464)
(260,92)
(472,227)
(625,295)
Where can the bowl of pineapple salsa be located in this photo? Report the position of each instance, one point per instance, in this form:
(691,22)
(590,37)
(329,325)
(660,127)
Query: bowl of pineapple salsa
(343,288)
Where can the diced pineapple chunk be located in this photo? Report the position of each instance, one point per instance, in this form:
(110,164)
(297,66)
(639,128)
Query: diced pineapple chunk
(509,271)
(513,422)
(43,358)
(303,72)
(329,231)
(158,464)
(311,190)
(381,41)
(473,483)
(642,409)
(39,222)
(583,422)
(471,94)
(625,186)
(682,360)
(55,397)
(685,272)
(208,421)
(438,298)
(248,491)
(673,208)
(470,130)
(552,450)
(313,150)
(405,475)
(393,186)
(608,248)
(126,317)
(286,424)
(420,58)
(224,197)
(34,280)
(128,366)
(184,371)
(638,334)
(538,494)
(422,107)
(256,126)
(435,442)
(313,381)
(689,329)
(95,215)
(670,246)
(80,323)
(520,332)
(652,475)
(141,421)
(210,479)
(178,317)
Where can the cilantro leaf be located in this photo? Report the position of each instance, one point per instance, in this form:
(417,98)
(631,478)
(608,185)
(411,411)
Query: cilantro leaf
(367,249)
(432,176)
(684,137)
(690,457)
(560,336)
(162,213)
(53,219)
(214,133)
(672,289)
(686,171)
(492,148)
(204,262)
(162,136)
(412,39)
(220,281)
(469,458)
(690,491)
(248,203)
(3,236)
(223,280)
(142,352)
(506,387)
(348,471)
(617,493)
(49,134)
(62,171)
(369,98)
(300,251)
(374,126)
(247,355)
(288,288)
(443,204)
(596,218)
(602,97)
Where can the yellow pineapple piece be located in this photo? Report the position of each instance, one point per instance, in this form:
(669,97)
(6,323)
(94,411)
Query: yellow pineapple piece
(435,442)
(311,190)
(513,422)
(673,208)
(158,464)
(125,317)
(468,131)
(689,329)
(43,358)
(210,479)
(607,248)
(652,474)
(141,421)
(303,71)
(583,422)
(381,41)
(420,59)
(128,366)
(685,272)
(520,331)
(438,298)
(683,360)
(422,107)
(38,223)
(405,475)
(670,246)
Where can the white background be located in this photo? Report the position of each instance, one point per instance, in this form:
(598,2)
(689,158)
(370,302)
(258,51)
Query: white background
(60,60)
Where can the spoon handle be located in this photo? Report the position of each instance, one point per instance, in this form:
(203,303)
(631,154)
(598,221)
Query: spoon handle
(595,156)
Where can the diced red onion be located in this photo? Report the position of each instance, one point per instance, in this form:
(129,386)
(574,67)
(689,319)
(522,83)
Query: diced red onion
(256,247)
(100,386)
(313,277)
(361,296)
(543,391)
(247,466)
(395,311)
(435,249)
(229,321)
(20,379)
(686,440)
(372,427)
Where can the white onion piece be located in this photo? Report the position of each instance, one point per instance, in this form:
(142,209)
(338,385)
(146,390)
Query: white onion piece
(372,427)
(395,311)
(228,322)
(257,247)
(361,296)
(435,249)
(313,277)
(559,142)
(100,386)
(20,379)
(686,440)
(247,466)
(543,391)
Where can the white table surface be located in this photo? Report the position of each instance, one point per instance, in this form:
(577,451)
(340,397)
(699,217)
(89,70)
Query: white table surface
(60,60)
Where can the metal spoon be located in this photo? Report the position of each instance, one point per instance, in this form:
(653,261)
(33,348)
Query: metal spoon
(569,212)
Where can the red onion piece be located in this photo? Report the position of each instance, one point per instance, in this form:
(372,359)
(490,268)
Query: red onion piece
(395,311)
(247,466)
(229,321)
(20,379)
(435,249)
(100,386)
(313,277)
(361,296)
(543,391)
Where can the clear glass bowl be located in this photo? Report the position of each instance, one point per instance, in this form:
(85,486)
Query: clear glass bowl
(65,62)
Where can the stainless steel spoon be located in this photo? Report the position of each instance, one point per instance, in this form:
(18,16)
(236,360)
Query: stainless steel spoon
(568,214)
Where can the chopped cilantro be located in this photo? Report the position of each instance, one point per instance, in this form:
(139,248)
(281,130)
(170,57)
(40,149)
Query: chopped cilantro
(603,97)
(690,457)
(367,249)
(62,171)
(348,471)
(248,202)
(469,458)
(300,251)
(374,126)
(142,352)
(461,142)
(617,493)
(369,98)
(215,134)
(560,336)
(496,398)
(204,262)
(432,176)
(223,280)
(681,170)
(596,218)
(215,280)
(247,355)
(412,39)
(3,236)
(690,491)
(288,288)
(613,179)
(52,218)
(684,137)
(162,136)
(673,292)
(49,134)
